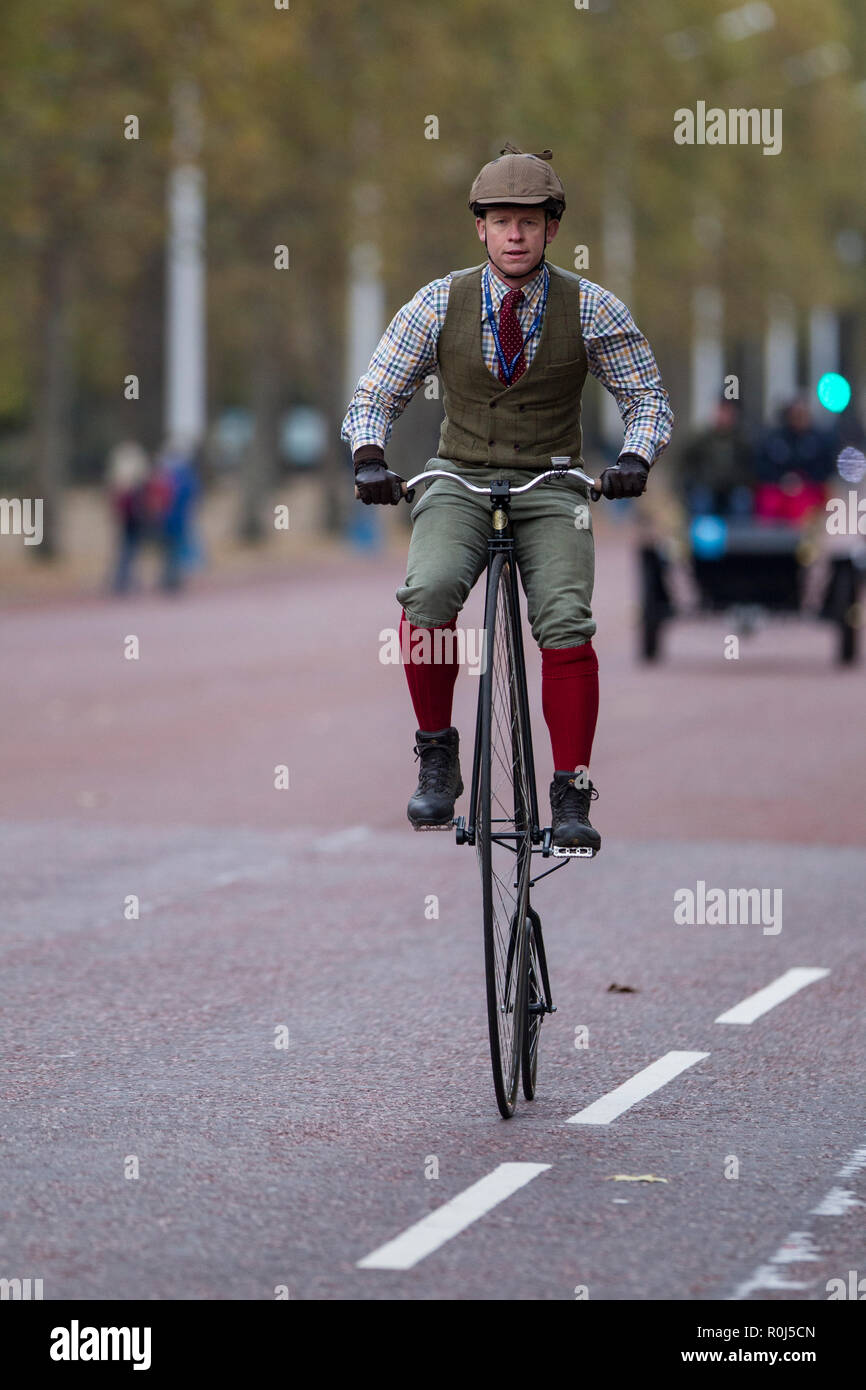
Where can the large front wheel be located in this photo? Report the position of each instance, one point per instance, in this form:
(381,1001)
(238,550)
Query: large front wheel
(503,836)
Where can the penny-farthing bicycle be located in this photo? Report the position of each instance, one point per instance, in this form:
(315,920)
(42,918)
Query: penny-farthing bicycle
(503,822)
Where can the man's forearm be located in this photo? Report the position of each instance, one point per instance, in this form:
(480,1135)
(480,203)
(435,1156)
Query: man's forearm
(648,424)
(406,354)
(620,357)
(368,420)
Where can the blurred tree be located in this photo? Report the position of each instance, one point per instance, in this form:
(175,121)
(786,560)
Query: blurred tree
(85,204)
(303,105)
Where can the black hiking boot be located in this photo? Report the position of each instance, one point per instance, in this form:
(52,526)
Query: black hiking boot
(439,780)
(569,807)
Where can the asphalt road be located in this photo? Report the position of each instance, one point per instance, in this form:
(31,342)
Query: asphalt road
(279,1067)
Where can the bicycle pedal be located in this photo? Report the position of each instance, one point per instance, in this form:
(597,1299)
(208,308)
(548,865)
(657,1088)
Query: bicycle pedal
(573,852)
(448,826)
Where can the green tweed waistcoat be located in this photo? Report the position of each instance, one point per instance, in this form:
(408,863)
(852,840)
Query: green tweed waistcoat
(491,424)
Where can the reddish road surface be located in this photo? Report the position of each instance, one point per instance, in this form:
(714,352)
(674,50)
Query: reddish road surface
(279,1067)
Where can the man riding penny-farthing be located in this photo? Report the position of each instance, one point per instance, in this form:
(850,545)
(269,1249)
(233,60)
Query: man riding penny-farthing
(512,340)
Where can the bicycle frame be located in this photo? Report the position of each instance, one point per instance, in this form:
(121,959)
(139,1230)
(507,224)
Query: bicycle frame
(502,540)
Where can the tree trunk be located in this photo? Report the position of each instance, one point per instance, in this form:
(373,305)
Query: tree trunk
(259,471)
(335,472)
(51,437)
(337,486)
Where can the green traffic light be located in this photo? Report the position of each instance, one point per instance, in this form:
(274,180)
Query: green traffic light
(834,392)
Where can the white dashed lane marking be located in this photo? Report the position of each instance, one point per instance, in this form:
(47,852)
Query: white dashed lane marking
(837,1201)
(652,1078)
(852,1166)
(797,1249)
(801,1247)
(427,1235)
(434,1230)
(767,998)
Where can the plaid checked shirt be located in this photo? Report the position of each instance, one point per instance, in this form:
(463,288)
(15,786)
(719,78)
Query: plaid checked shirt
(618,355)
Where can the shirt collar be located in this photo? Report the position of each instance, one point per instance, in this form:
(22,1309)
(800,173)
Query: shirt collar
(532,290)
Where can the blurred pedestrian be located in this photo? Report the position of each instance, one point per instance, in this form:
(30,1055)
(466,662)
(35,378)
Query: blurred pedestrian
(181,549)
(126,478)
(795,459)
(717,470)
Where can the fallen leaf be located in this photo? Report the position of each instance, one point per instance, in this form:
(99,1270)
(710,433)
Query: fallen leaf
(622,989)
(634,1177)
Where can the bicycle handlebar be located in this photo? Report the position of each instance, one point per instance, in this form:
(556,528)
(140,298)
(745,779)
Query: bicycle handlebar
(408,487)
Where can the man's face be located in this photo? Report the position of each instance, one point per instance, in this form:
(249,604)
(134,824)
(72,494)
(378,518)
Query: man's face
(515,237)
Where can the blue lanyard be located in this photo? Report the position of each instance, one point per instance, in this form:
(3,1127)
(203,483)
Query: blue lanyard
(508,368)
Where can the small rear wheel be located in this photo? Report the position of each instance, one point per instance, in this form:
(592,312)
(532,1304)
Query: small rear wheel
(537,1002)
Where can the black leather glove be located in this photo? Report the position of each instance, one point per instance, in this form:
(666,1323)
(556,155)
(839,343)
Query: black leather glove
(373,481)
(625,478)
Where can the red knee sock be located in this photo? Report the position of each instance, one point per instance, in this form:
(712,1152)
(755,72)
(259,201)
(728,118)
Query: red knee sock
(430,681)
(569,700)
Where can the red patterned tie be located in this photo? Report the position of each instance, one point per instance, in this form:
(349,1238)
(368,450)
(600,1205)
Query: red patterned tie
(511,335)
